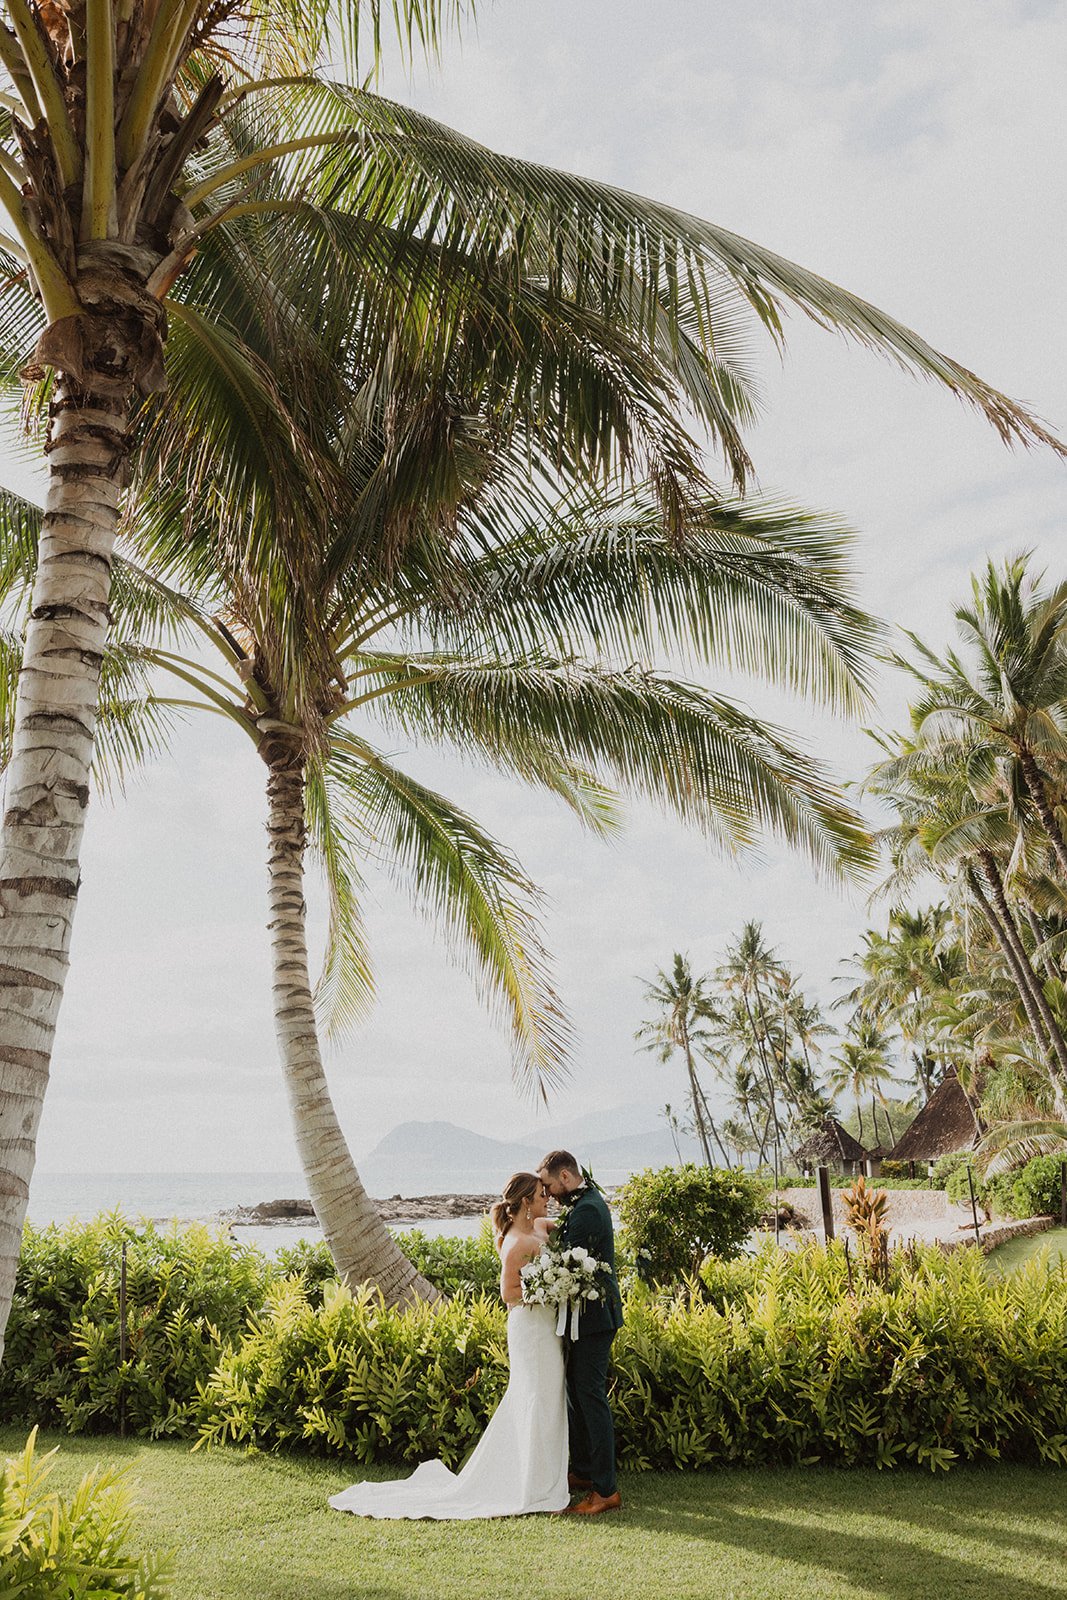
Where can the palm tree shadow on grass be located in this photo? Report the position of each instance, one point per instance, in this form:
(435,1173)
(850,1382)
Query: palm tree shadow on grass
(883,1566)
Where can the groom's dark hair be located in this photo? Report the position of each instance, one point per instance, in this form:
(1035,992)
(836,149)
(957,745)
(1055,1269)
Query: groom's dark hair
(557,1160)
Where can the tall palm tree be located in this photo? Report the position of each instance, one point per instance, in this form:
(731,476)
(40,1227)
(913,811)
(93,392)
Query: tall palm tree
(957,824)
(470,625)
(1011,692)
(863,1068)
(128,135)
(684,1006)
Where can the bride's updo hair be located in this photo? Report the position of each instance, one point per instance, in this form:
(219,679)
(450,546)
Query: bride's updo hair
(520,1187)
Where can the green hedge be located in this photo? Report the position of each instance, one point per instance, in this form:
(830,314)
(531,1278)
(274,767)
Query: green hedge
(788,1356)
(190,1291)
(780,1364)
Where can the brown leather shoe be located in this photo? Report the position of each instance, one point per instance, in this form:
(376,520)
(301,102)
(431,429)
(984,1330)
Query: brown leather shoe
(594,1504)
(575,1482)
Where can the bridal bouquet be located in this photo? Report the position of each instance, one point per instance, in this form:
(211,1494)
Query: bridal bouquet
(567,1278)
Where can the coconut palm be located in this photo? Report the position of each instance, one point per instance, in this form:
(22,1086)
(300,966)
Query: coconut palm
(907,974)
(684,1008)
(1010,690)
(862,1067)
(957,824)
(128,136)
(303,664)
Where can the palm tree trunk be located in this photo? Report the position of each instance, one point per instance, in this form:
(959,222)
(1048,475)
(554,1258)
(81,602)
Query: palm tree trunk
(360,1243)
(1034,784)
(1030,984)
(47,780)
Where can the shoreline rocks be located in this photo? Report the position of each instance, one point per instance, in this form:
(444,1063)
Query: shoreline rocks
(397,1208)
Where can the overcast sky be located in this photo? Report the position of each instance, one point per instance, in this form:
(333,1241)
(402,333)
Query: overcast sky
(911,152)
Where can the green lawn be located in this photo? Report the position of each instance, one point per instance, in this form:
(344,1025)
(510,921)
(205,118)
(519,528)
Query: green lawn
(1016,1252)
(256,1528)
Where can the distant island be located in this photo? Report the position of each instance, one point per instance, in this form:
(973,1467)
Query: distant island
(439,1158)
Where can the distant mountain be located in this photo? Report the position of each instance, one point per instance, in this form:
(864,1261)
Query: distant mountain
(441,1158)
(595,1126)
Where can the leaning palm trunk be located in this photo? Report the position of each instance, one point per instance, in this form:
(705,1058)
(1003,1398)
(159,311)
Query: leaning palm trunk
(1035,785)
(47,781)
(1043,1024)
(361,1245)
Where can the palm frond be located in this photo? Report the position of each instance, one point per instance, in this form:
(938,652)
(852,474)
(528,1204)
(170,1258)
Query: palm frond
(696,754)
(473,888)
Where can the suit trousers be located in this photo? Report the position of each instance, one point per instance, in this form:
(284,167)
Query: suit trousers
(592,1428)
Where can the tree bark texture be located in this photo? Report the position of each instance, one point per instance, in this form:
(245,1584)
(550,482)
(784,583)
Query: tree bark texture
(1034,780)
(1044,1025)
(361,1245)
(46,787)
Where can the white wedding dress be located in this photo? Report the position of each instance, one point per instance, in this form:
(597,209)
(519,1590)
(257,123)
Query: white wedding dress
(518,1466)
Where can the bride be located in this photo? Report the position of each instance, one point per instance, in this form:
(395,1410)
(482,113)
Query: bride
(520,1463)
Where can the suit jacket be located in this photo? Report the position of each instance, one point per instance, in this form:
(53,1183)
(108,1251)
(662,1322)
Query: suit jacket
(588,1223)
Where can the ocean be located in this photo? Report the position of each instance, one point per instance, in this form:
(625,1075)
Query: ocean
(191,1197)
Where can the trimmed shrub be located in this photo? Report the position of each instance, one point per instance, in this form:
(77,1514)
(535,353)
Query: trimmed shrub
(790,1358)
(188,1290)
(455,1266)
(675,1217)
(1036,1189)
(70,1550)
(353,1378)
(945,1166)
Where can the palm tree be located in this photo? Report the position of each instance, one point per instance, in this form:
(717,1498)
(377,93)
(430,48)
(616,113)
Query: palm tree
(128,136)
(302,669)
(684,1007)
(863,1068)
(957,824)
(1012,693)
(752,973)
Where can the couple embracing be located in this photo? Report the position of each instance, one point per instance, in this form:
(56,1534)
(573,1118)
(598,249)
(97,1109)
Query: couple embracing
(552,1434)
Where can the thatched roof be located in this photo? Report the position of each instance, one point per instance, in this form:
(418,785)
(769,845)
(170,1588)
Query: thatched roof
(830,1142)
(948,1122)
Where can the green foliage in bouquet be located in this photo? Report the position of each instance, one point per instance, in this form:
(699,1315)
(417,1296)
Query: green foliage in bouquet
(52,1548)
(188,1290)
(675,1217)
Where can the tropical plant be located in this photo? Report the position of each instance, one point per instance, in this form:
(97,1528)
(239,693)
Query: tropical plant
(684,1007)
(866,1210)
(862,1068)
(77,1547)
(129,136)
(672,1219)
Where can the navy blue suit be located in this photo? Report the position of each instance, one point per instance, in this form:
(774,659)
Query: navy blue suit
(592,1430)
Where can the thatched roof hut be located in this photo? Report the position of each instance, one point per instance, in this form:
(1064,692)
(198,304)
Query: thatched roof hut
(947,1123)
(831,1145)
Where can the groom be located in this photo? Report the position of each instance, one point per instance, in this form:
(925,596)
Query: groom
(592,1431)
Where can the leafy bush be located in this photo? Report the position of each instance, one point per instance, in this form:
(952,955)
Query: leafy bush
(792,1357)
(188,1290)
(455,1266)
(351,1377)
(675,1217)
(1036,1189)
(897,1169)
(995,1196)
(945,1166)
(52,1549)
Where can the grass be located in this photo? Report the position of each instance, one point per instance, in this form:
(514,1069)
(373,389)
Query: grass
(257,1528)
(1008,1257)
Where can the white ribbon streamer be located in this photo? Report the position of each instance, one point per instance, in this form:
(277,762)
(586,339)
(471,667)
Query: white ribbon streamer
(575,1307)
